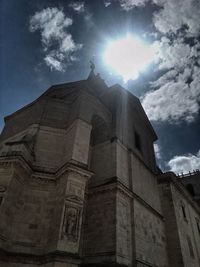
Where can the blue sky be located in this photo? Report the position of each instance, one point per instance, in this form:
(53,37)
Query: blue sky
(45,42)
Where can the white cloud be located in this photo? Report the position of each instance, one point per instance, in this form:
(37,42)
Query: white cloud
(58,44)
(130,4)
(176,93)
(164,79)
(172,15)
(157,151)
(52,24)
(107,3)
(79,7)
(173,102)
(68,44)
(173,54)
(185,163)
(175,14)
(53,63)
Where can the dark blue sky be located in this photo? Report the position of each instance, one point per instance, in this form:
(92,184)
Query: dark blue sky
(169,89)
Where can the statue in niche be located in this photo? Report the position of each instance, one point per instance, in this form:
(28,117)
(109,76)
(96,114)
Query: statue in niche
(71,223)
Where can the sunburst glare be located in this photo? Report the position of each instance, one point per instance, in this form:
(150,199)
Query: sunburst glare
(129,56)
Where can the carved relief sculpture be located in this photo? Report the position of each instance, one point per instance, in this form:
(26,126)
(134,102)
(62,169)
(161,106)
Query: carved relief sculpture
(71,223)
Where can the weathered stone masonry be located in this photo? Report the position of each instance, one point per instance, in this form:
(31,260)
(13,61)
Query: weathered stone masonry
(79,185)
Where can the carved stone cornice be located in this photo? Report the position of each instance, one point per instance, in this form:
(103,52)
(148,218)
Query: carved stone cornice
(74,199)
(27,258)
(44,175)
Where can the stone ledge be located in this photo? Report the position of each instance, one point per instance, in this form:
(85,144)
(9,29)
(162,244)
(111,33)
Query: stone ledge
(39,259)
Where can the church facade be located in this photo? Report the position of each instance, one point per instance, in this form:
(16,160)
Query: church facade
(79,185)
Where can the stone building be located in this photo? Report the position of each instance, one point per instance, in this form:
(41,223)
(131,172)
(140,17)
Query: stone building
(79,185)
(191,181)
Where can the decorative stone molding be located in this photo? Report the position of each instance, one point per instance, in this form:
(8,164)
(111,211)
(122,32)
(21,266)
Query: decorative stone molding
(71,223)
(45,176)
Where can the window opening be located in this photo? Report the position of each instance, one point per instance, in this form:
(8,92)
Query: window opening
(183,211)
(190,188)
(138,142)
(190,247)
(198,225)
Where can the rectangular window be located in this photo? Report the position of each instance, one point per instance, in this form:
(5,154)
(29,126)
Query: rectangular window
(183,211)
(198,225)
(190,247)
(138,142)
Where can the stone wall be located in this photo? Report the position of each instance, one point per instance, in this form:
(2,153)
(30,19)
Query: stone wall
(41,213)
(131,118)
(52,264)
(150,240)
(124,227)
(54,147)
(50,147)
(28,212)
(52,216)
(181,215)
(122,164)
(188,232)
(102,161)
(172,237)
(192,183)
(99,239)
(144,183)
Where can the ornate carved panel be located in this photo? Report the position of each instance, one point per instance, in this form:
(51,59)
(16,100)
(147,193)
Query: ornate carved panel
(71,223)
(75,188)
